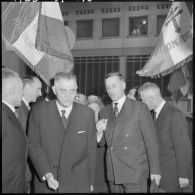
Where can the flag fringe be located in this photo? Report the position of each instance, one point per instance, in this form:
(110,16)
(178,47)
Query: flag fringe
(170,70)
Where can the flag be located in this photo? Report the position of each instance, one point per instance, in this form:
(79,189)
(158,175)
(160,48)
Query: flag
(174,47)
(180,82)
(35,31)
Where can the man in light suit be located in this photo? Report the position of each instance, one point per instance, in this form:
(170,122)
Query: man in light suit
(174,143)
(127,128)
(14,142)
(62,141)
(31,91)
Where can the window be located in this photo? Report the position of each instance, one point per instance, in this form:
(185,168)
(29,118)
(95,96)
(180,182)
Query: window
(138,26)
(90,72)
(110,27)
(160,22)
(137,62)
(85,29)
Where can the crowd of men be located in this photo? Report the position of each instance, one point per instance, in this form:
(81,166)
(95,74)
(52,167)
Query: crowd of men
(71,143)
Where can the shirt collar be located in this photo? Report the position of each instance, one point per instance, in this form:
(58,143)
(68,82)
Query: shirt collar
(60,108)
(120,102)
(26,103)
(10,106)
(160,106)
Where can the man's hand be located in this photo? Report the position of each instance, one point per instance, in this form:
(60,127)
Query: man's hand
(183,182)
(156,178)
(52,183)
(91,188)
(101,125)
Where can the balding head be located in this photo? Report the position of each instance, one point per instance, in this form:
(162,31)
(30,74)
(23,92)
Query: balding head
(32,88)
(11,87)
(150,94)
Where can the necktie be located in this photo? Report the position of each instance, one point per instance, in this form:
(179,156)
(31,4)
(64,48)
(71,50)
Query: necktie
(64,120)
(154,116)
(115,110)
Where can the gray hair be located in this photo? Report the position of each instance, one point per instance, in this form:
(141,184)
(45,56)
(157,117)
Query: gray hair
(64,75)
(147,86)
(8,73)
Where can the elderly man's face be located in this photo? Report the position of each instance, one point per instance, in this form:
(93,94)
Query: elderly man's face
(146,98)
(65,91)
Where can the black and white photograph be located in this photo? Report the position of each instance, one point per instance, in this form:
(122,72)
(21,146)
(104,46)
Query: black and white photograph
(97,96)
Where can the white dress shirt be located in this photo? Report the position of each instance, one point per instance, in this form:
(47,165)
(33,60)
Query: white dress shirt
(120,102)
(159,108)
(67,109)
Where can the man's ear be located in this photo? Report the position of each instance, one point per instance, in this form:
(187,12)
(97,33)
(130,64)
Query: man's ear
(54,89)
(12,92)
(124,85)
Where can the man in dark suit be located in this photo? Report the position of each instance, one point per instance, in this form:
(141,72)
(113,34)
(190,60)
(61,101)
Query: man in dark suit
(14,142)
(131,140)
(62,141)
(174,143)
(31,91)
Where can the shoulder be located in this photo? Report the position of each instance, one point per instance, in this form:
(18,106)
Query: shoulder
(173,109)
(83,108)
(136,103)
(43,105)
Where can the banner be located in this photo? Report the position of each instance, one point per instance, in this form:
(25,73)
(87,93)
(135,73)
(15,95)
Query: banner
(35,31)
(174,47)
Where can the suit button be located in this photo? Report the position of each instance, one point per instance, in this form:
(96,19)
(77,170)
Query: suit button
(125,148)
(127,135)
(111,148)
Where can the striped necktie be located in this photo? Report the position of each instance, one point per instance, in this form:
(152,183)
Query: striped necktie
(115,110)
(64,120)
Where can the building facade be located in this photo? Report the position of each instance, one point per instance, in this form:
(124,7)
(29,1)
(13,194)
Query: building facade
(114,36)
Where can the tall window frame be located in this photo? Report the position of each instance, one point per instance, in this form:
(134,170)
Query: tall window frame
(85,29)
(110,27)
(138,26)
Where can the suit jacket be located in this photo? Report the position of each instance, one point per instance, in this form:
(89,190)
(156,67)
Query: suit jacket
(14,153)
(174,147)
(23,114)
(132,143)
(69,154)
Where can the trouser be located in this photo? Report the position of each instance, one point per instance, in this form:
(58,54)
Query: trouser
(128,188)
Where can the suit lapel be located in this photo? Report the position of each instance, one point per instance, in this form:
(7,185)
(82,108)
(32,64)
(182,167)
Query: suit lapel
(13,118)
(73,119)
(111,123)
(161,114)
(123,117)
(25,108)
(55,120)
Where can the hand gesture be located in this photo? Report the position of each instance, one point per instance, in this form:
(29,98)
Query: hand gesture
(101,125)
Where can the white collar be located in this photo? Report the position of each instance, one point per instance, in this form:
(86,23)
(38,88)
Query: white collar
(10,106)
(120,102)
(26,103)
(60,108)
(159,107)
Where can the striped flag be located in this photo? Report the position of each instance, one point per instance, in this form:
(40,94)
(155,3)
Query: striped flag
(35,31)
(175,44)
